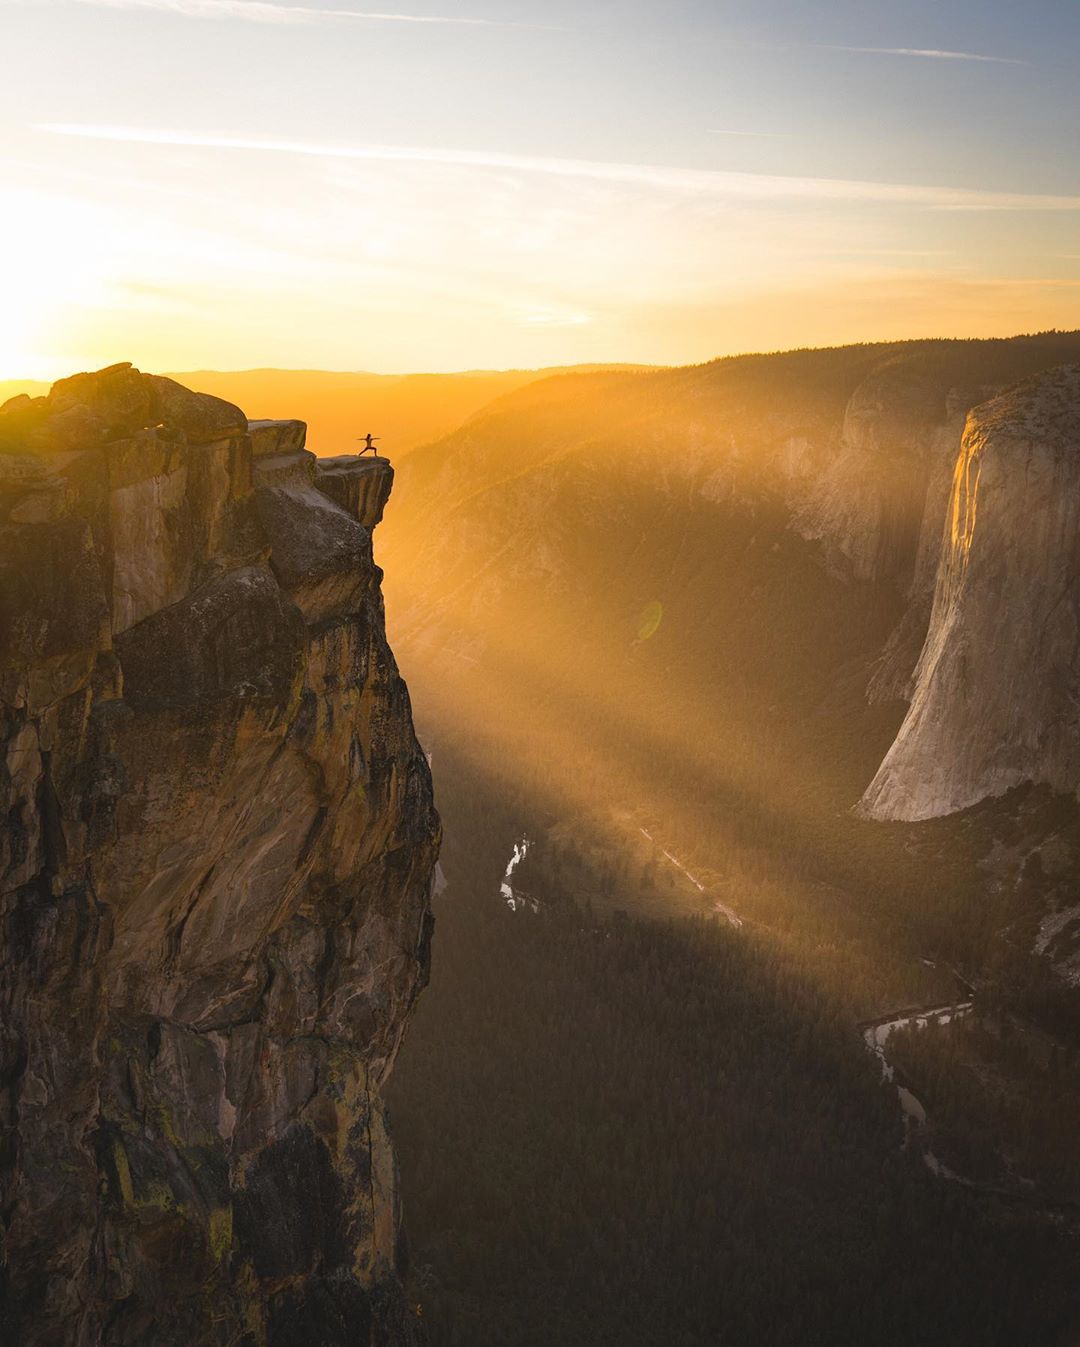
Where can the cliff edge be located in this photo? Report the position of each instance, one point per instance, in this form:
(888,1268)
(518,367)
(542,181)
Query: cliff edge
(997,686)
(216,854)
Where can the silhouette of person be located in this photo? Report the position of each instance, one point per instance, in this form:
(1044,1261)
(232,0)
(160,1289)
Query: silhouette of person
(368,441)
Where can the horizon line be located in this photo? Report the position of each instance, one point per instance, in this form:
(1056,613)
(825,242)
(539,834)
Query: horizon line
(597,366)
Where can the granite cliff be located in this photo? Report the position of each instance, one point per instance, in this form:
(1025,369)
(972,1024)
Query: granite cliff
(216,854)
(996,690)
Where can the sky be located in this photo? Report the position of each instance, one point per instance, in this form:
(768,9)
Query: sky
(513,183)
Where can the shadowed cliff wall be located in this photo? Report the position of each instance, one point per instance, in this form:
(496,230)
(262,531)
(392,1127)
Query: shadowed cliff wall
(216,851)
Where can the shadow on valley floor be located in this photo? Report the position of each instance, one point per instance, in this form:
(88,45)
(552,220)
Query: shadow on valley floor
(615,1131)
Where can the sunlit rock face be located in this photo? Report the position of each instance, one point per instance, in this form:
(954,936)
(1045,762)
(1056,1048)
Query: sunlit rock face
(997,686)
(215,861)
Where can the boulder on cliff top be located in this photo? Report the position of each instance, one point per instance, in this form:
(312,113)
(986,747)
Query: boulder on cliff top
(200,416)
(113,403)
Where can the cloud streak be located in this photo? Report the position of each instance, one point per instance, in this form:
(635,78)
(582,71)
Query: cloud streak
(754,186)
(926,53)
(260,11)
(768,135)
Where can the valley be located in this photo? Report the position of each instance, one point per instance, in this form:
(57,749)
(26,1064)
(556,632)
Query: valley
(670,622)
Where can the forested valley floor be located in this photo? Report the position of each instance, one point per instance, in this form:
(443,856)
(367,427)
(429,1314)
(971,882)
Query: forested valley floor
(617,1129)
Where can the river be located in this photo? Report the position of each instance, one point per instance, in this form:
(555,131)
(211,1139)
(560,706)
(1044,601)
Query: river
(876,1036)
(517,902)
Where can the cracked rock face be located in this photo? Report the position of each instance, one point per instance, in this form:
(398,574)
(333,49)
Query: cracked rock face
(216,853)
(997,686)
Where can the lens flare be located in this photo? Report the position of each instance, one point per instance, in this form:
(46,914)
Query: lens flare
(649,619)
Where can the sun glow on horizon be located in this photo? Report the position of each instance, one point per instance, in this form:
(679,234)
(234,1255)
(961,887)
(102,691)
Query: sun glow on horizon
(481,201)
(47,282)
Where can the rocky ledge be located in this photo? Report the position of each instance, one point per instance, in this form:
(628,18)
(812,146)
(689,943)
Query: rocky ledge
(215,863)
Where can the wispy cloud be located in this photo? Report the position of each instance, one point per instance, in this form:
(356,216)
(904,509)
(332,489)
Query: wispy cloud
(768,135)
(927,53)
(885,252)
(260,11)
(700,181)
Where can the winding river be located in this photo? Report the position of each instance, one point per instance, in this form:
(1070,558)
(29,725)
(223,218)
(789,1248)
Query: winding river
(876,1036)
(516,902)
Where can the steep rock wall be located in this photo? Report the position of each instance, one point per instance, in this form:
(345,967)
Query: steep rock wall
(866,500)
(879,495)
(216,853)
(997,685)
(851,450)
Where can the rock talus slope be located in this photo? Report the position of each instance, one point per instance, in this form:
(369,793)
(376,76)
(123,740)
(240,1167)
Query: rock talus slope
(997,685)
(216,853)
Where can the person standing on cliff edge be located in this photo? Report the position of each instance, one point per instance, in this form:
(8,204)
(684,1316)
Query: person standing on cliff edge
(368,441)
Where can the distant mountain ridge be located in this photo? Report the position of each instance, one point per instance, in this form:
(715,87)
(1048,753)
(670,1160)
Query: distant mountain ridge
(404,410)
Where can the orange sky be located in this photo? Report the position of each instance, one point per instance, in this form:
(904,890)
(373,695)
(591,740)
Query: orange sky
(225,183)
